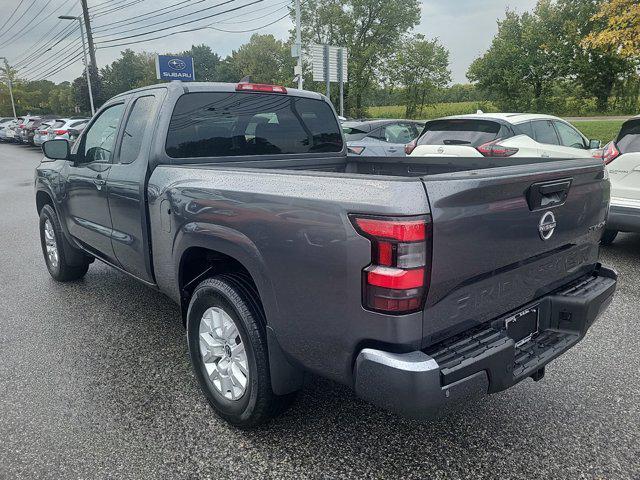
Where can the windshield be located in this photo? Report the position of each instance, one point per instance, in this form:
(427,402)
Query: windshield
(459,132)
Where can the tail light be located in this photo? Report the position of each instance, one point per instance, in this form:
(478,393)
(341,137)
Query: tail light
(355,150)
(607,154)
(411,146)
(493,149)
(60,132)
(397,280)
(260,87)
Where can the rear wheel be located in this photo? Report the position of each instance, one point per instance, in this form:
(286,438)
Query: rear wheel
(608,237)
(228,350)
(55,246)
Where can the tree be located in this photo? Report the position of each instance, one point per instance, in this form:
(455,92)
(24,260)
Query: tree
(621,31)
(81,91)
(265,59)
(518,70)
(131,70)
(205,61)
(420,67)
(595,69)
(371,29)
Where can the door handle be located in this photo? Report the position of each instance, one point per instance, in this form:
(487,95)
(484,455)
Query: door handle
(99,182)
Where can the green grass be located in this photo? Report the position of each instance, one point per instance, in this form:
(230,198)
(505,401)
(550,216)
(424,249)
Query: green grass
(603,130)
(432,111)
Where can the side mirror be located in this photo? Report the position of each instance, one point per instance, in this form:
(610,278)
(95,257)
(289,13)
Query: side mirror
(593,144)
(56,149)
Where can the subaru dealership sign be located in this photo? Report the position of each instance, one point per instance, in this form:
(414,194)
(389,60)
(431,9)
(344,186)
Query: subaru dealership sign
(169,67)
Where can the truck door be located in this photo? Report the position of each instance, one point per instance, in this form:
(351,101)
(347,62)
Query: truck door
(85,199)
(126,187)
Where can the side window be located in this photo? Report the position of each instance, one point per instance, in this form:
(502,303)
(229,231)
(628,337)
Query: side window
(525,129)
(569,137)
(544,132)
(101,137)
(136,127)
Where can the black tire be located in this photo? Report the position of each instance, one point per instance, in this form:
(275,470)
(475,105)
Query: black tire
(236,296)
(608,237)
(64,270)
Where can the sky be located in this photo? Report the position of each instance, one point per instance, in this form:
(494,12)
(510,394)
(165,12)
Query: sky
(465,27)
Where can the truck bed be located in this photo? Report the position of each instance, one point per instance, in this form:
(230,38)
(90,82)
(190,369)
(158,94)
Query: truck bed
(288,222)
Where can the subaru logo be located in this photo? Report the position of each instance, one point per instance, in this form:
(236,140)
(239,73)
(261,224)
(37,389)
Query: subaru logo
(547,225)
(176,64)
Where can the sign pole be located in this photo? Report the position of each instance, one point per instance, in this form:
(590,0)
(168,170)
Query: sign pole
(299,45)
(341,80)
(327,73)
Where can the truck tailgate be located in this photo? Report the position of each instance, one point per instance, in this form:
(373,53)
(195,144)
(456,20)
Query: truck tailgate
(495,245)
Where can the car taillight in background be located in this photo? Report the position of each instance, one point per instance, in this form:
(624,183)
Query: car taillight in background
(607,154)
(493,149)
(60,132)
(411,146)
(397,280)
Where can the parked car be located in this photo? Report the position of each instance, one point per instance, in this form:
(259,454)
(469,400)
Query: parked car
(19,128)
(30,130)
(5,125)
(622,157)
(416,288)
(502,135)
(61,127)
(41,133)
(380,137)
(74,133)
(11,130)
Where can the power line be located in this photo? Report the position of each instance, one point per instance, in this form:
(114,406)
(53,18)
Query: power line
(49,60)
(54,63)
(59,69)
(17,34)
(251,29)
(174,26)
(116,9)
(35,57)
(11,16)
(34,49)
(18,21)
(169,20)
(128,22)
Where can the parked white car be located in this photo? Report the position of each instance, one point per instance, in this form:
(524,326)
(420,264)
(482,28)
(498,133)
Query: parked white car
(502,135)
(622,157)
(61,127)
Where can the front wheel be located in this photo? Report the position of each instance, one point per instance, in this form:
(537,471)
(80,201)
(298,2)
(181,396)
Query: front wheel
(608,237)
(228,350)
(54,248)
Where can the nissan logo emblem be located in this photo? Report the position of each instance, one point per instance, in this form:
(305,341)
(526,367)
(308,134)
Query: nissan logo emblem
(547,226)
(177,64)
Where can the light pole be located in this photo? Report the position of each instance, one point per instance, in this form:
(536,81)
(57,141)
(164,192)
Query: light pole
(86,63)
(6,69)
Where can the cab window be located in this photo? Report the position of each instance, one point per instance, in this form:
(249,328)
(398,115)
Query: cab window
(101,137)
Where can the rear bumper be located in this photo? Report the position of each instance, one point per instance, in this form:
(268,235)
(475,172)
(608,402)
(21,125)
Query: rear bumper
(624,218)
(483,360)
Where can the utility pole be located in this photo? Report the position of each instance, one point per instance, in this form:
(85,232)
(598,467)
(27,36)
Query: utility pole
(8,74)
(87,24)
(86,62)
(298,45)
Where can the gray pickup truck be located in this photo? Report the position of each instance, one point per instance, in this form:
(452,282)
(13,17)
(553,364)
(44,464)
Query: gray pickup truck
(418,282)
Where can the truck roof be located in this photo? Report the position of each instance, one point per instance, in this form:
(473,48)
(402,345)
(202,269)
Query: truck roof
(187,87)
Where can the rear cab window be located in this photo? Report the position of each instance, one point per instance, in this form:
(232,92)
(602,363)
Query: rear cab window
(228,124)
(470,132)
(629,138)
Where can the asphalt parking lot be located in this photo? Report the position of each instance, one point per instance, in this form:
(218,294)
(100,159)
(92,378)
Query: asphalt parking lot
(95,382)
